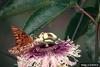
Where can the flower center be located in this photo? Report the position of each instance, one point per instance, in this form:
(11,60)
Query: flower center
(45,45)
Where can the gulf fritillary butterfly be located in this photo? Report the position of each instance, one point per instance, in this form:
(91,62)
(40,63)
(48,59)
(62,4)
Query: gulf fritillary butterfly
(23,41)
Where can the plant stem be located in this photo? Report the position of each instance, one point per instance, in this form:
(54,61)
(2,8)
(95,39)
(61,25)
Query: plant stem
(82,10)
(97,36)
(80,20)
(97,43)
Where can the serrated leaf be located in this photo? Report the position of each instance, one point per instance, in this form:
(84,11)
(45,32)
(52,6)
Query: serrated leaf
(42,17)
(20,6)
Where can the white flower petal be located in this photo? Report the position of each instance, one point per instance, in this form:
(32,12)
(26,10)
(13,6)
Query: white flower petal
(45,62)
(53,61)
(70,62)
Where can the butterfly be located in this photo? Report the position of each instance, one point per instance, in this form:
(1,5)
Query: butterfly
(23,41)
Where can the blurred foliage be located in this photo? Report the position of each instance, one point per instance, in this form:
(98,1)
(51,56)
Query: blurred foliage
(80,27)
(20,6)
(42,17)
(77,27)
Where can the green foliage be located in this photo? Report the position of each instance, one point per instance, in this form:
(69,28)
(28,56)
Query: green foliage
(78,25)
(19,6)
(42,17)
(45,11)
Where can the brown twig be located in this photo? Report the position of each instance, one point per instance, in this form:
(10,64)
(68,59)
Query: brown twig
(97,35)
(82,10)
(97,43)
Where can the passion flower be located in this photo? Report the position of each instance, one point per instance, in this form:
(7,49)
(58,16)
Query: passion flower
(47,50)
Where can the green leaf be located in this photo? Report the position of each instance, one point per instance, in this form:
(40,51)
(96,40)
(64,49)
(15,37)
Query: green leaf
(20,6)
(78,25)
(45,15)
(89,3)
(92,11)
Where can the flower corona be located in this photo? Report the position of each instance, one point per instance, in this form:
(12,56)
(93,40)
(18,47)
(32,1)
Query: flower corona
(46,50)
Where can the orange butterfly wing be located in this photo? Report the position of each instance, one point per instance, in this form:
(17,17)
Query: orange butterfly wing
(23,42)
